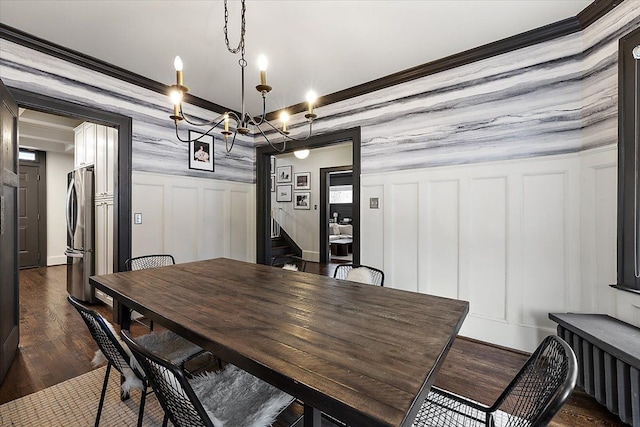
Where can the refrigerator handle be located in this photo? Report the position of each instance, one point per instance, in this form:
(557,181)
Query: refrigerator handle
(69,209)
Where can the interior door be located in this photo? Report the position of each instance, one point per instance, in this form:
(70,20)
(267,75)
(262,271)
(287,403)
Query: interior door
(9,315)
(28,217)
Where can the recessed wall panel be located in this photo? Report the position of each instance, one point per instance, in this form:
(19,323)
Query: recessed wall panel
(239,221)
(487,242)
(372,227)
(403,236)
(185,225)
(606,202)
(440,266)
(213,233)
(148,237)
(543,230)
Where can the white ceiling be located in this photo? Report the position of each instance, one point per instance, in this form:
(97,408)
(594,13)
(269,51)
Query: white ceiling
(326,45)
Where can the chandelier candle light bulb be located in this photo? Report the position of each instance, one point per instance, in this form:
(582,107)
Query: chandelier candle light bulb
(311,99)
(177,63)
(262,66)
(284,118)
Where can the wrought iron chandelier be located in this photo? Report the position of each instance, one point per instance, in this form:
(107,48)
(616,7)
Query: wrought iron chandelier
(244,120)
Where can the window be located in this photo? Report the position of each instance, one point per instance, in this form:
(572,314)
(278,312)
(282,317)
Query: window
(29,156)
(629,162)
(340,194)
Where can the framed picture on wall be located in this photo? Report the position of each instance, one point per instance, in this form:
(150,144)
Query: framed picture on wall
(302,200)
(283,193)
(302,181)
(273,165)
(201,151)
(284,174)
(273,183)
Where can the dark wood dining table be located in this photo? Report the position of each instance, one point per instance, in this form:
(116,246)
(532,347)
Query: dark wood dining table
(366,355)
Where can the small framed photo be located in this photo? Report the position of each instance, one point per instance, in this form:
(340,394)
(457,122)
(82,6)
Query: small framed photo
(284,174)
(302,181)
(283,193)
(273,183)
(302,200)
(201,151)
(273,165)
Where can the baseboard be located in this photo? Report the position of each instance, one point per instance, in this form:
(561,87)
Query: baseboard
(56,260)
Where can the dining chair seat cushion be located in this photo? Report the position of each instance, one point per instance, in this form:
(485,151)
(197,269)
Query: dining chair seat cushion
(360,274)
(233,397)
(165,343)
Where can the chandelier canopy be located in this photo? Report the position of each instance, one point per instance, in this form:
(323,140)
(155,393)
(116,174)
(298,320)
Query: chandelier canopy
(244,119)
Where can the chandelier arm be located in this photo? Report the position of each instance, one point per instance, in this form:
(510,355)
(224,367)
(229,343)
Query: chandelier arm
(233,141)
(193,122)
(202,134)
(284,141)
(285,135)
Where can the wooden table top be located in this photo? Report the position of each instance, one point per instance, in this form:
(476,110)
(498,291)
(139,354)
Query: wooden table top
(364,354)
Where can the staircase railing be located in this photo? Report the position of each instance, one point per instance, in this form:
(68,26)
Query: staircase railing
(275,225)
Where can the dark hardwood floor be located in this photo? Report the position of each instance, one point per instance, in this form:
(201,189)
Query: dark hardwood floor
(55,345)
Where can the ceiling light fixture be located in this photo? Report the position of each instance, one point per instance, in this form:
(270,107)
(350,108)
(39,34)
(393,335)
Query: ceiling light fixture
(301,154)
(244,120)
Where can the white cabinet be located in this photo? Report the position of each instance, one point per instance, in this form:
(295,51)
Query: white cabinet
(97,145)
(106,142)
(85,144)
(103,251)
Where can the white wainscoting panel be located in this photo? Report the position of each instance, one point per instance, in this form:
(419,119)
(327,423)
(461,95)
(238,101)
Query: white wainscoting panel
(439,261)
(503,235)
(193,218)
(372,235)
(543,228)
(487,243)
(403,241)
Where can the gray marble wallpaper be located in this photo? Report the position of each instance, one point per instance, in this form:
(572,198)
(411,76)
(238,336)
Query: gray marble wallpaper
(552,98)
(155,147)
(555,97)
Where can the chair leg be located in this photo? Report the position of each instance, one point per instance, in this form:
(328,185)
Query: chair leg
(104,392)
(151,325)
(165,420)
(143,398)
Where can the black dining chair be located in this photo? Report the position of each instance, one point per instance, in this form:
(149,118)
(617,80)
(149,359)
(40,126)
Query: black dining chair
(231,395)
(532,398)
(142,263)
(116,354)
(344,271)
(287,260)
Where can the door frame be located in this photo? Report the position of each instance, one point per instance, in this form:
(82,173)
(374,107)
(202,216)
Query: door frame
(122,177)
(41,164)
(263,187)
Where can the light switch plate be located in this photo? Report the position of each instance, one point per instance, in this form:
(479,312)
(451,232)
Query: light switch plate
(373,203)
(137,218)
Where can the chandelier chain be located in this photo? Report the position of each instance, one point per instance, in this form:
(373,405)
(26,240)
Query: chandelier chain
(240,47)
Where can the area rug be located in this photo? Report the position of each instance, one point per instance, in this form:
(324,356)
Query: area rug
(75,403)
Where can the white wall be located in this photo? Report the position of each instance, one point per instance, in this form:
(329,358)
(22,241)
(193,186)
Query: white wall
(303,226)
(193,218)
(58,165)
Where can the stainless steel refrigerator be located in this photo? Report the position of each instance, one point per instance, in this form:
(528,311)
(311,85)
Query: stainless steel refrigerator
(80,233)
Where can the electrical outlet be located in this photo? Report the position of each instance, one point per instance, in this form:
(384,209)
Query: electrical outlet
(137,218)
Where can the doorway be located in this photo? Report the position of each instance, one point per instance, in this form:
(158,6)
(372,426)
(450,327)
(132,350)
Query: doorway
(122,177)
(338,241)
(32,211)
(263,189)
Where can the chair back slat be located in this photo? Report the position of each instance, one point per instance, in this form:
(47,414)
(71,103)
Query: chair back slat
(342,270)
(541,387)
(172,388)
(149,261)
(105,338)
